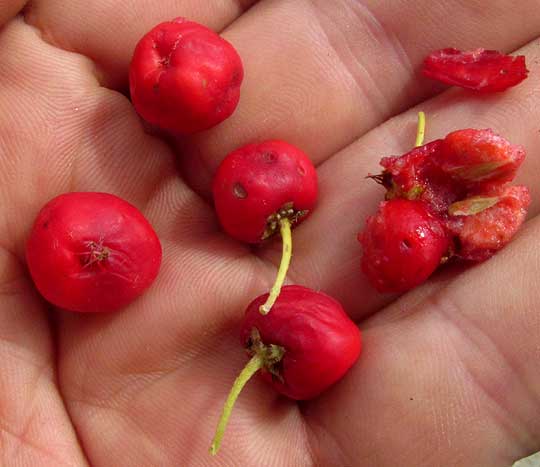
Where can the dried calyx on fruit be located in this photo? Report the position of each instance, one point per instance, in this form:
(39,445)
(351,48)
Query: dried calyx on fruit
(480,70)
(460,184)
(262,189)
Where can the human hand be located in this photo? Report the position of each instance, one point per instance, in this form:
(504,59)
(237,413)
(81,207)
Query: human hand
(450,372)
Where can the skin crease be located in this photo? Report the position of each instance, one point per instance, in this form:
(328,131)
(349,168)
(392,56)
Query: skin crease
(450,373)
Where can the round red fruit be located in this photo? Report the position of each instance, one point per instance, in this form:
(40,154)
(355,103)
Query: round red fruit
(318,341)
(403,245)
(184,77)
(258,184)
(92,252)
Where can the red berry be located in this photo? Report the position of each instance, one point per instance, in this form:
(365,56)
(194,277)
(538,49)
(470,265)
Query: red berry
(258,184)
(485,224)
(403,244)
(320,341)
(184,77)
(305,345)
(479,70)
(92,252)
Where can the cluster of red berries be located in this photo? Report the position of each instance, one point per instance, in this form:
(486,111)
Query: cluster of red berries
(451,198)
(91,252)
(447,199)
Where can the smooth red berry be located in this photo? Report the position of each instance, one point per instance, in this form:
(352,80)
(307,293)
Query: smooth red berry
(319,340)
(479,70)
(260,183)
(402,245)
(184,77)
(92,252)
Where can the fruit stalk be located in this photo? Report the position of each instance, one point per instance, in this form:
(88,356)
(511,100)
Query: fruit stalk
(286,239)
(421,131)
(254,365)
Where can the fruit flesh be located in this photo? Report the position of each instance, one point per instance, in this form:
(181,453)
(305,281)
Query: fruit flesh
(92,252)
(483,233)
(479,70)
(185,78)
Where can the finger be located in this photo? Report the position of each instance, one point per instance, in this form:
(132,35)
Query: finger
(34,426)
(346,198)
(107,30)
(319,74)
(455,379)
(9,8)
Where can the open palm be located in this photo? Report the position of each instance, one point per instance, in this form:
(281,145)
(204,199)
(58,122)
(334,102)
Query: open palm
(450,375)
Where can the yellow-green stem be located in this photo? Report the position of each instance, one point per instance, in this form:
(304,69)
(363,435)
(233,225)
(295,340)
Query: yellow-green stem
(254,365)
(286,239)
(421,129)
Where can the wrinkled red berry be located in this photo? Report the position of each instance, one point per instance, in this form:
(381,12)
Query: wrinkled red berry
(319,340)
(479,70)
(258,184)
(305,345)
(402,245)
(92,252)
(485,224)
(184,77)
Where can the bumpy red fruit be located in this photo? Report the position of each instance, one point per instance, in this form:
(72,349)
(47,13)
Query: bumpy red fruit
(92,252)
(258,184)
(479,70)
(185,78)
(402,245)
(319,340)
(483,224)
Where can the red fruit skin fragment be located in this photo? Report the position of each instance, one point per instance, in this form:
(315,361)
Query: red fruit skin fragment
(256,181)
(479,70)
(59,259)
(403,243)
(321,342)
(474,157)
(482,235)
(184,77)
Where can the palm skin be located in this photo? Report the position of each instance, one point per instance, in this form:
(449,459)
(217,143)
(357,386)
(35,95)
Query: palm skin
(450,371)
